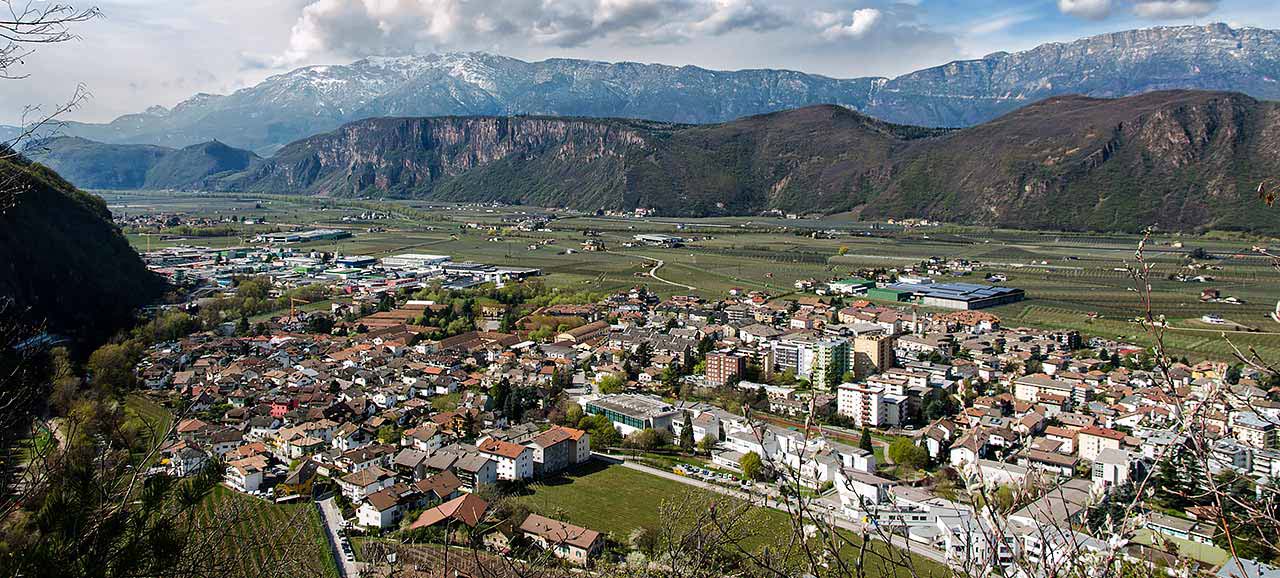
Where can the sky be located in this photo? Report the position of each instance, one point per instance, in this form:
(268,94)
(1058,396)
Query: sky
(143,53)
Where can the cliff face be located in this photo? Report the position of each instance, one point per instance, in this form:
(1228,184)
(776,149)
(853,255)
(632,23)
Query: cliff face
(310,100)
(1182,160)
(522,157)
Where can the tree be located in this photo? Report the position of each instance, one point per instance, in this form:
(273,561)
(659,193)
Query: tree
(686,433)
(112,366)
(752,466)
(865,441)
(905,452)
(612,383)
(573,414)
(707,443)
(646,439)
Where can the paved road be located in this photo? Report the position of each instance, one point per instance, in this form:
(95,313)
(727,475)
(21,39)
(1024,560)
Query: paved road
(899,541)
(332,517)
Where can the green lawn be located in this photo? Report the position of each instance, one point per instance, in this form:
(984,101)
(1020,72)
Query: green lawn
(1207,553)
(617,500)
(142,411)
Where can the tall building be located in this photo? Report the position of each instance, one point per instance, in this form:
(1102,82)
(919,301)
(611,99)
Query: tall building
(862,403)
(872,354)
(823,362)
(724,366)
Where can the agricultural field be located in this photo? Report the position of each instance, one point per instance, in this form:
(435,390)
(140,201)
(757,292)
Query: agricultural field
(1073,280)
(267,535)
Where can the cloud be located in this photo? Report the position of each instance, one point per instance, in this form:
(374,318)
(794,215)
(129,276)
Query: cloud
(1147,9)
(1169,9)
(1087,9)
(835,25)
(387,27)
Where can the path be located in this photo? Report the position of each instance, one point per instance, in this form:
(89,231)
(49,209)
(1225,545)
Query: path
(654,273)
(332,517)
(900,542)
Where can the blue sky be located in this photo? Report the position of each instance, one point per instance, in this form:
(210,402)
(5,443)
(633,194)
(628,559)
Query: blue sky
(159,52)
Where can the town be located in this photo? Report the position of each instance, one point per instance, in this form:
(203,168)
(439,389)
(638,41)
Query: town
(425,393)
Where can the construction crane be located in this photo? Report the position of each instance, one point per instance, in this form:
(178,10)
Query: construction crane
(293,311)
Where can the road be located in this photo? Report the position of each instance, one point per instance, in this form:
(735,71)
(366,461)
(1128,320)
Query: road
(900,542)
(658,264)
(332,517)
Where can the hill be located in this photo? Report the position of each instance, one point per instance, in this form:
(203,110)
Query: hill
(64,264)
(94,165)
(1177,159)
(315,99)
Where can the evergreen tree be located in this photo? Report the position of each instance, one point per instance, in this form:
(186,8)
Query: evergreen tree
(686,433)
(865,442)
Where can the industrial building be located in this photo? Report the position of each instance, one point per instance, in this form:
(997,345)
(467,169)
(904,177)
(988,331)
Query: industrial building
(952,295)
(414,261)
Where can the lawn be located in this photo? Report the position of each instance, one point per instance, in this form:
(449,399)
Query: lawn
(617,500)
(268,535)
(1207,553)
(144,412)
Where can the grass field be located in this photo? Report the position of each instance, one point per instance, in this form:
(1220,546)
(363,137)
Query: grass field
(144,412)
(617,500)
(1207,553)
(264,533)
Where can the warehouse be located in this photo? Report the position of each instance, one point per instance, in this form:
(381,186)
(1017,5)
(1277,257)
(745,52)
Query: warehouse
(962,295)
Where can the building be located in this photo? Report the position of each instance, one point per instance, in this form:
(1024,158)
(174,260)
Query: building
(1032,388)
(821,361)
(557,449)
(1113,467)
(584,333)
(573,544)
(659,240)
(514,461)
(631,413)
(414,261)
(852,286)
(1093,440)
(1255,431)
(725,366)
(959,295)
(869,405)
(872,354)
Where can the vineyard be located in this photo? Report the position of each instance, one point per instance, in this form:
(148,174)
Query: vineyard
(255,535)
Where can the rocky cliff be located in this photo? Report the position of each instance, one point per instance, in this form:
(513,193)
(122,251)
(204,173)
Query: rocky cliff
(1179,159)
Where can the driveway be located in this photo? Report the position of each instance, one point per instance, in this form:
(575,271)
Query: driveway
(332,517)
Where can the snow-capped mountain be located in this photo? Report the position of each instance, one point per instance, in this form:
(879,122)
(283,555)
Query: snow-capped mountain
(314,99)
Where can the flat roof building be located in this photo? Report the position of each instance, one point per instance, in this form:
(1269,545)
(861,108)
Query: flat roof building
(959,295)
(632,413)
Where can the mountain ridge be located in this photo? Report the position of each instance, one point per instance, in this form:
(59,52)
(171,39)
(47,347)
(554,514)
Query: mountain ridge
(314,99)
(1183,160)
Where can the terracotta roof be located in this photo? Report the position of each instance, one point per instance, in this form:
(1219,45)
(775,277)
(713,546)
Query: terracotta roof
(1103,433)
(468,509)
(557,532)
(501,448)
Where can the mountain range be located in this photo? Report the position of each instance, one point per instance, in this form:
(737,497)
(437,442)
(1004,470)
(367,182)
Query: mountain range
(315,99)
(1182,160)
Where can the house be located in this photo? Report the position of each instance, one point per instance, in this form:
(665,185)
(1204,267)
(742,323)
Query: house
(475,471)
(1113,467)
(551,451)
(364,482)
(245,474)
(468,509)
(574,544)
(385,508)
(514,461)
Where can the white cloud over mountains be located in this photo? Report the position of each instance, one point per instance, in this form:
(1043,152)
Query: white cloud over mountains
(1148,9)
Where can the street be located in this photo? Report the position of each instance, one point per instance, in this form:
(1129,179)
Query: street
(332,517)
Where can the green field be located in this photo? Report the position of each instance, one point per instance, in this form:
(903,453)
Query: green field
(1072,280)
(617,500)
(259,535)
